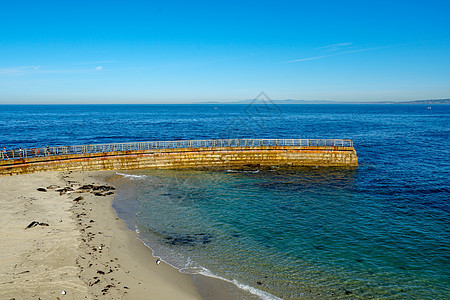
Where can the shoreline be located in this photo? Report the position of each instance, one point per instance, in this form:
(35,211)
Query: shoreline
(210,286)
(136,268)
(80,248)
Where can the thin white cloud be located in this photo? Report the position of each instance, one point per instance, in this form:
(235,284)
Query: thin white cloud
(310,58)
(61,71)
(334,54)
(34,70)
(334,47)
(18,70)
(69,68)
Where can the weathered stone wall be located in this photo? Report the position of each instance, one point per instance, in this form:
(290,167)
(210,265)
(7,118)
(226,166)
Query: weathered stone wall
(184,158)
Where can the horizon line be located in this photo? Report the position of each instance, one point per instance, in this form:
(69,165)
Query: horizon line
(247,101)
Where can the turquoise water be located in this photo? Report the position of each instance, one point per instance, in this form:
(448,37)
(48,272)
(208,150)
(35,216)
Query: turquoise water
(380,231)
(301,234)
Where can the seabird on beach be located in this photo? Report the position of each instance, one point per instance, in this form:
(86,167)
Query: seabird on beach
(158,261)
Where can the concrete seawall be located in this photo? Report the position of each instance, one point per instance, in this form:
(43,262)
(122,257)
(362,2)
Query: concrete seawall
(188,158)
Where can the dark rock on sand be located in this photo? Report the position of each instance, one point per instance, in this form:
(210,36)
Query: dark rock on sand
(107,288)
(103,188)
(35,223)
(95,282)
(52,187)
(24,272)
(41,189)
(86,187)
(32,224)
(65,190)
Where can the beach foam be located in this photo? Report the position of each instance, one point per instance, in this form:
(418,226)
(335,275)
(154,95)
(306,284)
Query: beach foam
(261,294)
(131,176)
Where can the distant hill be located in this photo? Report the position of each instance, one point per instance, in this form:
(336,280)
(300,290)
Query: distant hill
(262,101)
(434,101)
(291,101)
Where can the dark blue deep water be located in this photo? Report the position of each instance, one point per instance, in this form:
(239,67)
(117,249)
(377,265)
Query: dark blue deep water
(380,231)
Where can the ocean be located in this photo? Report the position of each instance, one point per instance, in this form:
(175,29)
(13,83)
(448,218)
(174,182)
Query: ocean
(379,231)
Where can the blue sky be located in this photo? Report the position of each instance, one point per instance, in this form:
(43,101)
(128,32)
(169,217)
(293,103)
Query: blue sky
(188,51)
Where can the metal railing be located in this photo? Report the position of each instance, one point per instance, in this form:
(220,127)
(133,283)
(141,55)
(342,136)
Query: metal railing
(102,148)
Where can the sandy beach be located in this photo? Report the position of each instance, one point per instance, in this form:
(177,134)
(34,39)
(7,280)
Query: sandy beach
(75,246)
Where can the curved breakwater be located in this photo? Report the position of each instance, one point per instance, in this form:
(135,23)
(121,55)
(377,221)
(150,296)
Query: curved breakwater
(207,154)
